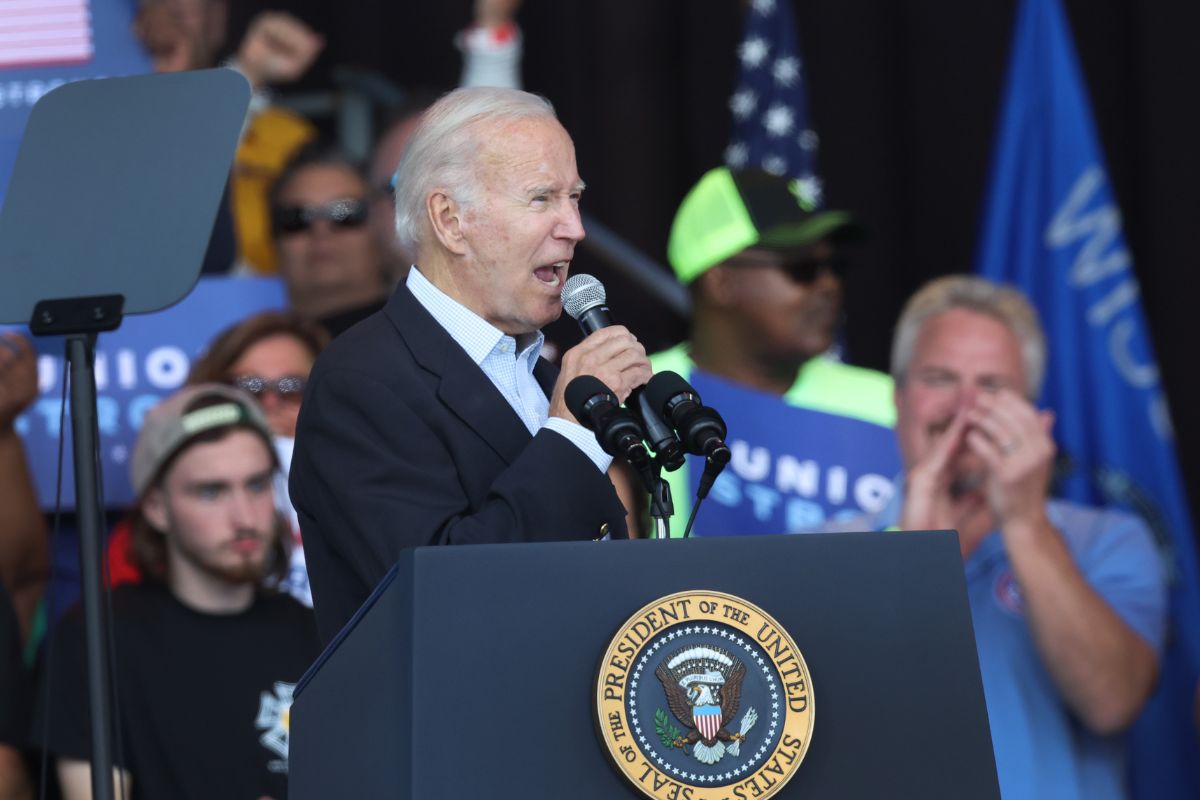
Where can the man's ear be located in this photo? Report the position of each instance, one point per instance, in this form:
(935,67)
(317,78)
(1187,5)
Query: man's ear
(445,219)
(154,509)
(717,287)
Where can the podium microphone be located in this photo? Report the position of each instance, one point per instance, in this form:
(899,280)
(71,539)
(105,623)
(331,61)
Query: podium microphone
(599,410)
(700,428)
(585,301)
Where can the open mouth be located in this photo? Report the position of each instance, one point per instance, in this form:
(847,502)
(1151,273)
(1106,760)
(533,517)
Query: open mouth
(552,275)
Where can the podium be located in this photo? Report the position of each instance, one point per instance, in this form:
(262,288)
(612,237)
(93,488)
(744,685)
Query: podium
(471,671)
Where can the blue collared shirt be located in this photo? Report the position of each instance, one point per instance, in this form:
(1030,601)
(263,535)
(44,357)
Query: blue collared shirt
(508,366)
(1042,750)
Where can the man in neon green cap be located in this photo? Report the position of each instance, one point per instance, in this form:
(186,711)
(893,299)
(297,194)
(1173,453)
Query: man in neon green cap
(767,298)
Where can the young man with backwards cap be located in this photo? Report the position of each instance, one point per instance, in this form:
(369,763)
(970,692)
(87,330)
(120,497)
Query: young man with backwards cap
(767,298)
(205,658)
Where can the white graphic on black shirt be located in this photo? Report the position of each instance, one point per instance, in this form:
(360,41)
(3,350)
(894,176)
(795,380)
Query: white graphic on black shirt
(275,721)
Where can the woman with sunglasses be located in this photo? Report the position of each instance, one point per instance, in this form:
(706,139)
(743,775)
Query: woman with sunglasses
(269,355)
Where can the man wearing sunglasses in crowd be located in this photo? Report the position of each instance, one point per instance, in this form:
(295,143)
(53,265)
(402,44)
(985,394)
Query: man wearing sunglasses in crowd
(333,267)
(763,271)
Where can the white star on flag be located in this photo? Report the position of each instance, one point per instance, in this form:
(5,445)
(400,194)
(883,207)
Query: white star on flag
(776,165)
(736,155)
(779,120)
(771,126)
(753,52)
(742,103)
(786,70)
(810,190)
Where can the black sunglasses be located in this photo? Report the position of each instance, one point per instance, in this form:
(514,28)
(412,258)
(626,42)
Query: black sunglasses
(802,270)
(348,212)
(289,387)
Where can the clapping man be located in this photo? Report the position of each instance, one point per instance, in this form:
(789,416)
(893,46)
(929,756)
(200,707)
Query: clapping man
(1068,602)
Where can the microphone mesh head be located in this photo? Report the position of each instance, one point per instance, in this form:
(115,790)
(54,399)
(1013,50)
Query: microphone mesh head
(580,293)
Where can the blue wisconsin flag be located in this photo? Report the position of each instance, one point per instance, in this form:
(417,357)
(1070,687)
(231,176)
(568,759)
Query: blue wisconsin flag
(771,127)
(1051,227)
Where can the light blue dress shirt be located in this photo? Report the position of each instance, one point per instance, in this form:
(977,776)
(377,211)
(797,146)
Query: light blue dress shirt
(508,366)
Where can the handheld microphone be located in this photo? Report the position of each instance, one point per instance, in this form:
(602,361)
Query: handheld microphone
(700,428)
(617,430)
(585,301)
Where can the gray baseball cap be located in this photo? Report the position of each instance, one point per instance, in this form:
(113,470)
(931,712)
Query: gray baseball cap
(183,416)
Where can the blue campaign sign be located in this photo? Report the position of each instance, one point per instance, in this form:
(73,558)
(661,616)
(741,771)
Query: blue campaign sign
(46,43)
(793,469)
(137,365)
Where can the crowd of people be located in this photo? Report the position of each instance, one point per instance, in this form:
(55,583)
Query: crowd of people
(402,399)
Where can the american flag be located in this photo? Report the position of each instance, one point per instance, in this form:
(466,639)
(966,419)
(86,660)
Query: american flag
(39,32)
(771,127)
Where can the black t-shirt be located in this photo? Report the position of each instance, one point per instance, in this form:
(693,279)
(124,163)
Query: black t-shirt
(204,699)
(14,680)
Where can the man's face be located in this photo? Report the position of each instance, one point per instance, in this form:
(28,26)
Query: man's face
(216,507)
(958,355)
(326,256)
(273,358)
(180,34)
(787,302)
(521,235)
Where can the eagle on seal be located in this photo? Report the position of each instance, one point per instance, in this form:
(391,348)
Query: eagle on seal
(704,691)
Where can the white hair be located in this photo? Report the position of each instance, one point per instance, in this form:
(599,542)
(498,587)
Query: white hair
(1004,304)
(444,150)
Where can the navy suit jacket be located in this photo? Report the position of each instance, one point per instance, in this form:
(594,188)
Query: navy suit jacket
(403,441)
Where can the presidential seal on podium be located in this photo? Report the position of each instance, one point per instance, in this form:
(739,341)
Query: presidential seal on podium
(703,696)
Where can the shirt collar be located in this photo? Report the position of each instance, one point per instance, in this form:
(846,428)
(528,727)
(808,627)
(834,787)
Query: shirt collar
(474,334)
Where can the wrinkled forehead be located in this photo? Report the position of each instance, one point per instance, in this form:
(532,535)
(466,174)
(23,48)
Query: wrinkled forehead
(525,147)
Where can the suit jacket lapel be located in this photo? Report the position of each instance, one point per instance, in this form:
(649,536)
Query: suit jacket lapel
(463,388)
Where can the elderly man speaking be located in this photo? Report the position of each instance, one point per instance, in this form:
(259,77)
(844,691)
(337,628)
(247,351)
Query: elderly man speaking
(435,421)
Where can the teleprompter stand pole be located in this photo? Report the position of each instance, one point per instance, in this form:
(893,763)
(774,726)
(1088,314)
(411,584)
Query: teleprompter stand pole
(81,319)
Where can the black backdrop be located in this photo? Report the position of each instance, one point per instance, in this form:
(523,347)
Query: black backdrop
(904,96)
